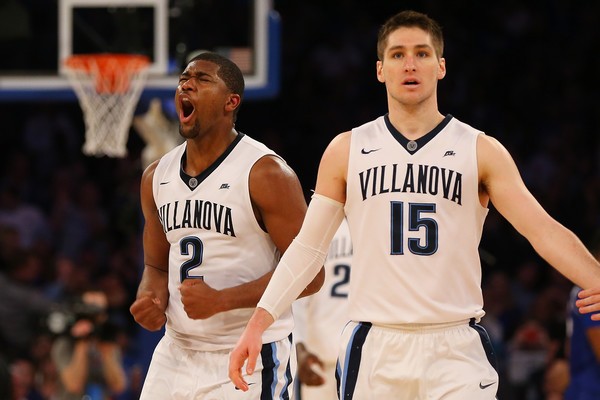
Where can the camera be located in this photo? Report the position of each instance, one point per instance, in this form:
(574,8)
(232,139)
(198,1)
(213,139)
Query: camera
(60,321)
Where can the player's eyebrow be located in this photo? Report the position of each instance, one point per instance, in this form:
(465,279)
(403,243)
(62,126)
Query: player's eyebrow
(196,74)
(418,47)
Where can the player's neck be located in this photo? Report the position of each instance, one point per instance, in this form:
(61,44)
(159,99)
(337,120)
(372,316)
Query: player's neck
(414,121)
(203,151)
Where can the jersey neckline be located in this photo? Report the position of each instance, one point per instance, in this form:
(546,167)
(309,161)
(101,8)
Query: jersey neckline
(412,146)
(192,182)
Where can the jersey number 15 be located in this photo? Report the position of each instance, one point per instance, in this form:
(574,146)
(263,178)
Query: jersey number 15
(423,246)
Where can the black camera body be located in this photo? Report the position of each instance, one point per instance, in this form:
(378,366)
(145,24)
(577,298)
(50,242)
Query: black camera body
(60,321)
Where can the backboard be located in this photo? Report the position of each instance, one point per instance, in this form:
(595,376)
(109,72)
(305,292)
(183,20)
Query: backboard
(40,35)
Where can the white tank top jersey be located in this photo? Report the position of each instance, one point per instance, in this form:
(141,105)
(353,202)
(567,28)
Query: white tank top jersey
(416,222)
(321,317)
(214,235)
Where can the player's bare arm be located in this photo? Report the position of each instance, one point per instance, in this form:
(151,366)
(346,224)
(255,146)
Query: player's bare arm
(333,169)
(500,178)
(279,207)
(149,307)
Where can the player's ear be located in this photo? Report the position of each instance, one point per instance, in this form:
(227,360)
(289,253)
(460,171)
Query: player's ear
(442,68)
(233,102)
(380,76)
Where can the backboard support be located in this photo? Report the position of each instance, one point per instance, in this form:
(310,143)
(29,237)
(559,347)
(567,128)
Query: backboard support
(85,26)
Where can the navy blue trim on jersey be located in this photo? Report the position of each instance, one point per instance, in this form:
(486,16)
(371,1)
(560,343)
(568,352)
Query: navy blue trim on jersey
(288,371)
(271,364)
(420,142)
(352,364)
(193,182)
(338,372)
(486,342)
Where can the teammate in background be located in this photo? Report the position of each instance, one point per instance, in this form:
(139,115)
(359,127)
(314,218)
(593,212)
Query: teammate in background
(219,210)
(583,349)
(320,319)
(415,186)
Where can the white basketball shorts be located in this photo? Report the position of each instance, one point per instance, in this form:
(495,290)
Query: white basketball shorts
(176,373)
(442,362)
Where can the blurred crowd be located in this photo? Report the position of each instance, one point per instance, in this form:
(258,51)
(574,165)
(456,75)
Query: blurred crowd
(524,74)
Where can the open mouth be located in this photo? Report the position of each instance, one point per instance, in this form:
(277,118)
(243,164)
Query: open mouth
(187,108)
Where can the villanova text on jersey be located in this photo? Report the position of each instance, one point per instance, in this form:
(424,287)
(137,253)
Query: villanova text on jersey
(197,214)
(427,179)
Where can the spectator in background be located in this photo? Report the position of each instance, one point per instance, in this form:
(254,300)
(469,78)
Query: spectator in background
(27,219)
(528,354)
(87,355)
(22,373)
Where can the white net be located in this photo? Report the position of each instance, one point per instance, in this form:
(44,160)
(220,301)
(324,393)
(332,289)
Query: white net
(108,88)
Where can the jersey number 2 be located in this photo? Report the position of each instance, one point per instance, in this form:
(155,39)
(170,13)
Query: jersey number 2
(416,221)
(339,289)
(190,245)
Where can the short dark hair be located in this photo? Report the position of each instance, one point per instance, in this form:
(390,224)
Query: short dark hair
(228,71)
(410,19)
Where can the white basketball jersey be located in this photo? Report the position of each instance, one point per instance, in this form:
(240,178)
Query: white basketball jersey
(321,317)
(416,221)
(214,236)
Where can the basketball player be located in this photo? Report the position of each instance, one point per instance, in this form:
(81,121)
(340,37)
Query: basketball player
(219,210)
(415,186)
(320,319)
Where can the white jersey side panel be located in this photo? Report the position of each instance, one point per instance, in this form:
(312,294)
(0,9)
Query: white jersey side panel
(416,224)
(321,317)
(214,236)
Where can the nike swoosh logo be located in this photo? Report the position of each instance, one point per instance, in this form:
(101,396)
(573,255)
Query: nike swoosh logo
(251,383)
(164,183)
(482,386)
(363,151)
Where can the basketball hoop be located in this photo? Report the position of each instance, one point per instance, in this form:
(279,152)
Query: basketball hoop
(108,87)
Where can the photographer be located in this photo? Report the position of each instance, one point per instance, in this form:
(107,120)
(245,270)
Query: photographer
(87,357)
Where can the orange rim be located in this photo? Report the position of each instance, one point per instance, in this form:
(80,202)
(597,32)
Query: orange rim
(106,63)
(111,72)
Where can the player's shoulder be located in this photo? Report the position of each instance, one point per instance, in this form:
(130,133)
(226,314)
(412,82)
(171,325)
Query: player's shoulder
(376,124)
(250,144)
(339,147)
(169,162)
(271,168)
(485,142)
(148,172)
(488,145)
(454,125)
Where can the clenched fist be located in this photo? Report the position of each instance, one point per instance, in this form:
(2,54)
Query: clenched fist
(148,311)
(200,301)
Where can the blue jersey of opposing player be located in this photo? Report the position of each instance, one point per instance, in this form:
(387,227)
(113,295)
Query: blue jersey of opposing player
(584,363)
